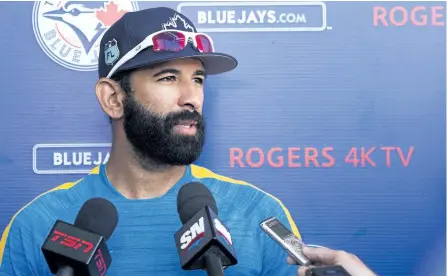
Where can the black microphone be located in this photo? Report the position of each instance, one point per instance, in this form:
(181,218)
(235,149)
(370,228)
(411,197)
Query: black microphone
(80,249)
(203,242)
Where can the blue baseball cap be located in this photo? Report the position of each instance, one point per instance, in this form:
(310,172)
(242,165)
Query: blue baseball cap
(124,45)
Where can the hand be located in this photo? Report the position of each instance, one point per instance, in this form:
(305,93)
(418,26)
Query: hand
(328,257)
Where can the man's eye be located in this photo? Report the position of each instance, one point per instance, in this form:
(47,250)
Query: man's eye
(169,78)
(199,80)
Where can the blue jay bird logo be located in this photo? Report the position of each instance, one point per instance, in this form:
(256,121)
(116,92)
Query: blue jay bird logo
(69,32)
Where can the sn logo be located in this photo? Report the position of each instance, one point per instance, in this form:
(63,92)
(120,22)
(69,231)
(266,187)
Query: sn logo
(195,230)
(198,228)
(223,231)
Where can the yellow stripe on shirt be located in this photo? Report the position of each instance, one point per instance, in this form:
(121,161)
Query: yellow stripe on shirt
(201,172)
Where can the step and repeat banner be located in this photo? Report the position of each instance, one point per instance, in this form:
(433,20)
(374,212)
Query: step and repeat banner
(336,108)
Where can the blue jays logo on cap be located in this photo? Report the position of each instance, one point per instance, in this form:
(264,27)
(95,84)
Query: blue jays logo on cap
(69,32)
(177,22)
(111,52)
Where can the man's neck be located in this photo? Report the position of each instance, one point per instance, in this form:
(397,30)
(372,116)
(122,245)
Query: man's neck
(134,181)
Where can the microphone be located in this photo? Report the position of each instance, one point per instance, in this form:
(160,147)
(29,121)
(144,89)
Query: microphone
(80,249)
(203,242)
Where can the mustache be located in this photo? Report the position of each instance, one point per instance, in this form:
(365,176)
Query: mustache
(174,118)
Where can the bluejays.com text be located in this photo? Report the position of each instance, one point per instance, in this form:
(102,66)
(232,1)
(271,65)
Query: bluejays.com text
(326,157)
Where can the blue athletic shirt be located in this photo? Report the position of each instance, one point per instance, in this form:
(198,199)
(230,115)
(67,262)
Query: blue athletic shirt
(143,242)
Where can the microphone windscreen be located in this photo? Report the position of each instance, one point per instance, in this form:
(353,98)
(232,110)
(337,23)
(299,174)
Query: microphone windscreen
(191,198)
(99,216)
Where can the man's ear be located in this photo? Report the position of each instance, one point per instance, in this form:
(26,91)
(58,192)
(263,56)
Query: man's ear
(110,97)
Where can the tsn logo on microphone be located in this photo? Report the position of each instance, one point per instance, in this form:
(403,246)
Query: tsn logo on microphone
(72,242)
(192,237)
(76,243)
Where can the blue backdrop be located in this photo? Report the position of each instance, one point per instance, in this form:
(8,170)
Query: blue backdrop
(337,108)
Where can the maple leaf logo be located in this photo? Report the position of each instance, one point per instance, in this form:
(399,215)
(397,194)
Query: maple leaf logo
(109,14)
(175,21)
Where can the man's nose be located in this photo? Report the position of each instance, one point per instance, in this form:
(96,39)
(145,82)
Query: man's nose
(191,97)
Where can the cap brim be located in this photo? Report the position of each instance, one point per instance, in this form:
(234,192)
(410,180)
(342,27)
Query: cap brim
(214,63)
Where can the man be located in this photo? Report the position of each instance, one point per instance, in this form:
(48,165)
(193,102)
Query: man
(152,68)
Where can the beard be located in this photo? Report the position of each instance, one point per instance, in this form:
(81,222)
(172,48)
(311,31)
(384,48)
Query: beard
(153,138)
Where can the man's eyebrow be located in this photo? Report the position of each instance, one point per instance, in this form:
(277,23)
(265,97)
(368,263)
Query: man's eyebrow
(200,73)
(167,71)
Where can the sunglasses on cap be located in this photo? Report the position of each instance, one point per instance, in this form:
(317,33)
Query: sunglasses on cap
(167,40)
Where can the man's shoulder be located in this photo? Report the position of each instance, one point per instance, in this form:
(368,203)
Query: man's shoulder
(34,220)
(230,187)
(46,205)
(250,200)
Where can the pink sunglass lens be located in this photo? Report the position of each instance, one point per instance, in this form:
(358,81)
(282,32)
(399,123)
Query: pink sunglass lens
(204,44)
(169,41)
